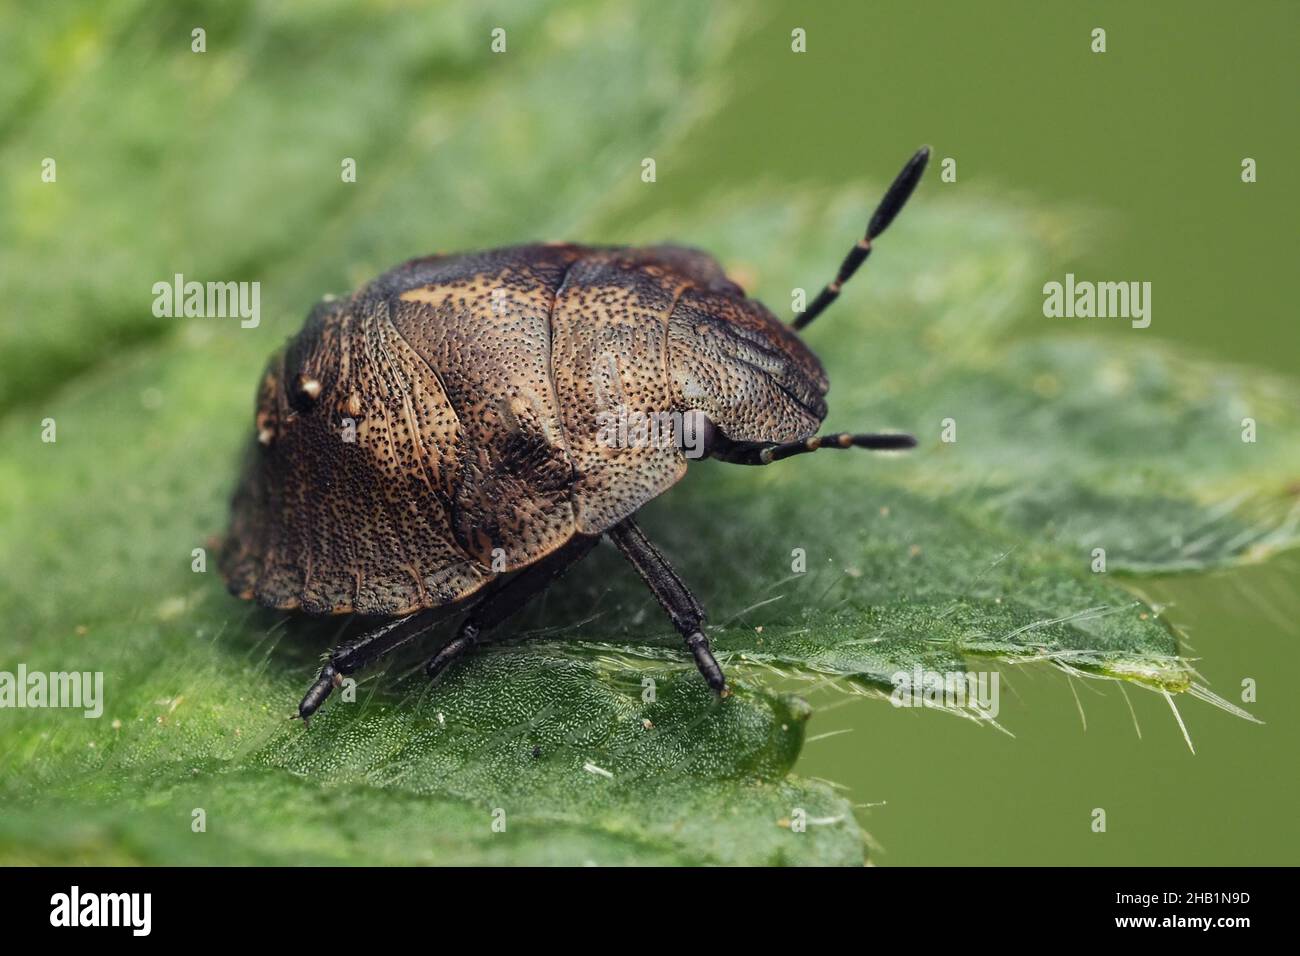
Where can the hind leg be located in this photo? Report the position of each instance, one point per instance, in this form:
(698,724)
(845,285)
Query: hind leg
(507,599)
(490,611)
(357,653)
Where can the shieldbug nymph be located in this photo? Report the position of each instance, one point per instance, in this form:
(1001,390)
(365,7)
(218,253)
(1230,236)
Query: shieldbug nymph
(436,437)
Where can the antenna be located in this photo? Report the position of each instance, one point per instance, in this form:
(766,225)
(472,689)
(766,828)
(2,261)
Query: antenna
(895,198)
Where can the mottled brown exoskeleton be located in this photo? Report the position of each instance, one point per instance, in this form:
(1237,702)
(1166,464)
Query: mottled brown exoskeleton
(443,434)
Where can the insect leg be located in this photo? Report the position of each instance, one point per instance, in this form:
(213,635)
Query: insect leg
(507,599)
(361,650)
(673,595)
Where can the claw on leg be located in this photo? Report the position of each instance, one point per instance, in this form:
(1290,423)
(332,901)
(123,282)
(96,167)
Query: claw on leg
(698,645)
(454,649)
(673,596)
(316,694)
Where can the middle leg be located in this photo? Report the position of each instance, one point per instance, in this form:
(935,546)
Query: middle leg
(507,599)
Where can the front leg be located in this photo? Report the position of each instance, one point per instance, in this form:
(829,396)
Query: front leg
(671,592)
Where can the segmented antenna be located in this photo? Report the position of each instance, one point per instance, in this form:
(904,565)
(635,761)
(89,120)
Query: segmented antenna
(896,197)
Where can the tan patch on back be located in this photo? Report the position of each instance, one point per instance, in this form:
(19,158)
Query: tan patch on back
(485,327)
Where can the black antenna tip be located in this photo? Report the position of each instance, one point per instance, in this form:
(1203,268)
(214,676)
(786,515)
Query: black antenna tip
(886,442)
(895,198)
(899,192)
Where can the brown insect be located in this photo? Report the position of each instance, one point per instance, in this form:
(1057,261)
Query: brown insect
(442,433)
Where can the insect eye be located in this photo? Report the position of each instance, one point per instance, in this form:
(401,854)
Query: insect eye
(303,394)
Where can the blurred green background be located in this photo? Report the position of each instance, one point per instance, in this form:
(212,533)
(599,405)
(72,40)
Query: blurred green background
(1137,149)
(1147,140)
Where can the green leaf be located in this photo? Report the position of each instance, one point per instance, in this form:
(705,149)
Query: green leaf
(980,549)
(562,755)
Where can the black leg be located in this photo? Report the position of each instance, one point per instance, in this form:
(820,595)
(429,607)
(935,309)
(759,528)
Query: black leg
(508,598)
(671,592)
(360,651)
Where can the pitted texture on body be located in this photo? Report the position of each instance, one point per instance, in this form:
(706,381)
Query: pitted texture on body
(610,359)
(752,376)
(482,325)
(345,500)
(444,424)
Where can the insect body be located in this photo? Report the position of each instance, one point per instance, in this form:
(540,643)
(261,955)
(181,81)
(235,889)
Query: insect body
(435,437)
